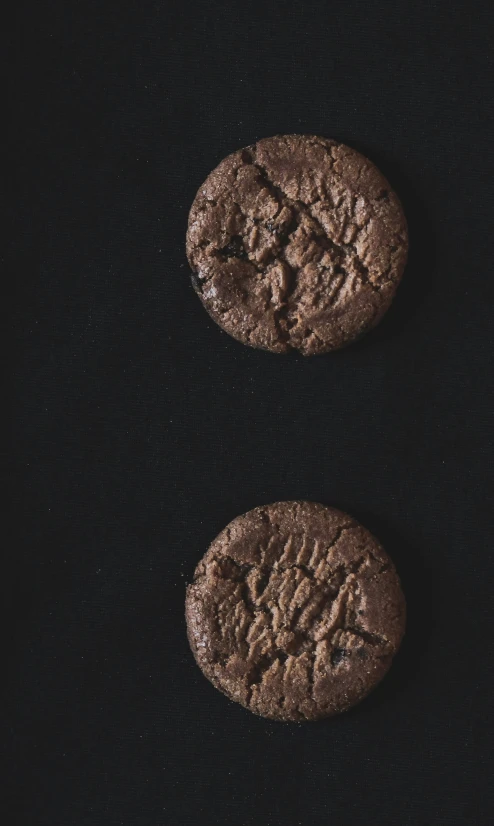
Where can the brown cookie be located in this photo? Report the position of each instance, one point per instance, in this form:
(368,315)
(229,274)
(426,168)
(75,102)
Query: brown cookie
(295,611)
(297,242)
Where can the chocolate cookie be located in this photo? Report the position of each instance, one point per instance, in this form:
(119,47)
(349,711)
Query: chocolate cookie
(295,611)
(297,242)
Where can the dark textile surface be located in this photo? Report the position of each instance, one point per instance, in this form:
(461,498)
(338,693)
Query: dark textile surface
(140,429)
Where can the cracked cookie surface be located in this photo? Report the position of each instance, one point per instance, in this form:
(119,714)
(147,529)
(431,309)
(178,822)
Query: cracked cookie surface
(296,243)
(295,611)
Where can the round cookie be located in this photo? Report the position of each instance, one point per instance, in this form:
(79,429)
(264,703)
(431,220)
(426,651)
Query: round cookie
(296,242)
(295,611)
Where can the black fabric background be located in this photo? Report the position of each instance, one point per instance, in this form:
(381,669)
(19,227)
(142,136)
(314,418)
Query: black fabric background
(140,429)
